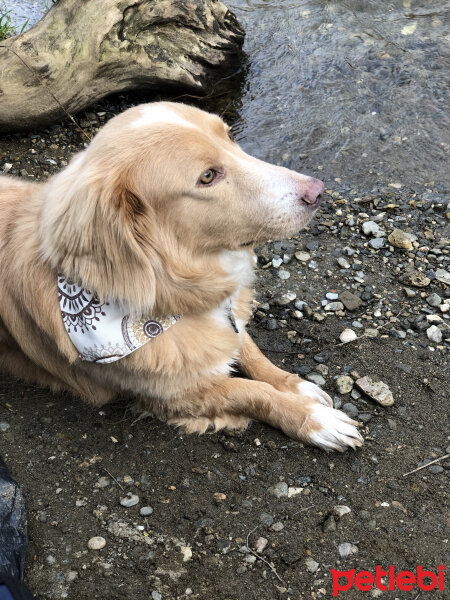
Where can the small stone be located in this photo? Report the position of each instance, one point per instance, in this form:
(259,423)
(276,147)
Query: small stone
(266,519)
(186,551)
(316,378)
(278,526)
(311,565)
(350,301)
(219,496)
(294,491)
(344,384)
(414,277)
(102,482)
(277,262)
(329,524)
(373,229)
(334,306)
(283,274)
(312,246)
(71,576)
(436,469)
(129,500)
(434,300)
(443,276)
(434,334)
(364,417)
(377,243)
(346,549)
(343,263)
(260,544)
(340,510)
(146,511)
(409,293)
(96,543)
(371,332)
(302,256)
(279,490)
(156,595)
(378,390)
(350,410)
(285,299)
(331,296)
(271,324)
(322,357)
(348,335)
(4,426)
(400,239)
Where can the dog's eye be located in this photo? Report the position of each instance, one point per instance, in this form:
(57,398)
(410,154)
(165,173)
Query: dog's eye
(207,176)
(230,135)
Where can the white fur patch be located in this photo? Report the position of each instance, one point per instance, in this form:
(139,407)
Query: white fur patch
(238,264)
(307,388)
(337,431)
(151,115)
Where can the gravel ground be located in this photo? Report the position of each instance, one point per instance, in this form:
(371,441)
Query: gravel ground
(257,515)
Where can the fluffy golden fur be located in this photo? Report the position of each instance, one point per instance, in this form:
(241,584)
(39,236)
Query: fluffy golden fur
(136,218)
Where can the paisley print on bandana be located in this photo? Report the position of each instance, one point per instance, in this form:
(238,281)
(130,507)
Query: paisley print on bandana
(101,331)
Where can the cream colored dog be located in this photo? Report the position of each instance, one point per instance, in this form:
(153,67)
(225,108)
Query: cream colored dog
(158,217)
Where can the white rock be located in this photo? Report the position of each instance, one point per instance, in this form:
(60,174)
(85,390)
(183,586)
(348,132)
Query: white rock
(186,551)
(443,276)
(346,549)
(277,262)
(294,491)
(302,256)
(311,565)
(372,228)
(348,335)
(129,500)
(283,274)
(434,334)
(260,544)
(96,543)
(340,510)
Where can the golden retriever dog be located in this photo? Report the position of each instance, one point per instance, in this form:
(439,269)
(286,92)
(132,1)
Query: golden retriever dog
(156,220)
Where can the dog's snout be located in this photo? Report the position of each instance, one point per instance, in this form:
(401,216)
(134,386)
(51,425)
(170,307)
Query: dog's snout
(312,191)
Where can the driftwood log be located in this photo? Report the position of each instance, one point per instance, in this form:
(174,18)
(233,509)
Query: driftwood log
(83,50)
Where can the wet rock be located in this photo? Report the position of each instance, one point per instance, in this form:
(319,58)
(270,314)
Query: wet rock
(279,490)
(346,549)
(434,334)
(96,543)
(377,390)
(344,384)
(400,239)
(348,335)
(414,277)
(350,301)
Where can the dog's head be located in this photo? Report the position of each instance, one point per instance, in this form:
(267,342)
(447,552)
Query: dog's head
(144,213)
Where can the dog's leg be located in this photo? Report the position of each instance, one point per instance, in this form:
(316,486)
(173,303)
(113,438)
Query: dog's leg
(237,400)
(256,366)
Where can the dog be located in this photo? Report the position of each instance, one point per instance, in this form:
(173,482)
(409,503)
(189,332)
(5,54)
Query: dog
(156,222)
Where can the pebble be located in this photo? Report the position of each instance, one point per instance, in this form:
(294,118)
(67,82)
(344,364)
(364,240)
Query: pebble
(340,510)
(350,301)
(96,543)
(350,410)
(400,239)
(322,357)
(316,378)
(434,334)
(377,390)
(346,549)
(311,565)
(373,229)
(156,595)
(436,469)
(4,426)
(102,482)
(348,335)
(331,296)
(434,300)
(266,519)
(260,544)
(409,293)
(443,276)
(129,500)
(344,384)
(334,306)
(271,324)
(302,256)
(146,511)
(279,490)
(377,243)
(414,277)
(277,262)
(329,524)
(343,263)
(283,274)
(278,526)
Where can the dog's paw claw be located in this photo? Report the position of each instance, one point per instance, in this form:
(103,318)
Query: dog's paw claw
(333,429)
(314,392)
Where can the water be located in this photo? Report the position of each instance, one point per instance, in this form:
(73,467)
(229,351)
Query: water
(359,86)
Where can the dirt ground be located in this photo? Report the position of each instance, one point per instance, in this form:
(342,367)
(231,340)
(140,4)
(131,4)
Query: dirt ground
(214,500)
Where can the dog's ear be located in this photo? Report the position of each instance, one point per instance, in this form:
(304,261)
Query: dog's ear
(95,230)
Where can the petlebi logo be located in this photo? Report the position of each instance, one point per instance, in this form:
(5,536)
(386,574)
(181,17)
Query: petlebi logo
(388,579)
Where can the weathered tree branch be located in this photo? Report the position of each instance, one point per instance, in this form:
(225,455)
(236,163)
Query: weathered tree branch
(83,50)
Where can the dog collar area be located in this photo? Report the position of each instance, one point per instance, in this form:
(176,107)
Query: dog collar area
(101,331)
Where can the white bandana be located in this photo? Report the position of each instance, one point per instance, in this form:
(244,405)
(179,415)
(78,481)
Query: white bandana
(100,331)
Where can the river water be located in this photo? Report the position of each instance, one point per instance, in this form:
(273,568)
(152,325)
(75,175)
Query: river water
(349,89)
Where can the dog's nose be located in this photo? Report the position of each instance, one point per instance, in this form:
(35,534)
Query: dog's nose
(312,191)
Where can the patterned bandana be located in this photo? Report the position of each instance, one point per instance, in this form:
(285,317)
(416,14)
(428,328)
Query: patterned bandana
(100,331)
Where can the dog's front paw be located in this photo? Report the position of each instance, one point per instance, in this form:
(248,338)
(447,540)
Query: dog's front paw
(314,392)
(331,429)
